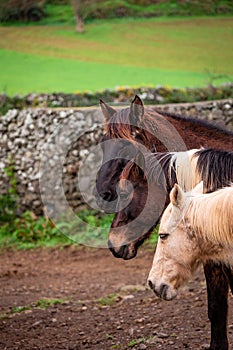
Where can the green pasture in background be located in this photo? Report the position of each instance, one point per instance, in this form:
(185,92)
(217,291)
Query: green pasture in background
(176,52)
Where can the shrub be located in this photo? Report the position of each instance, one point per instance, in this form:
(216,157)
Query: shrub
(26,10)
(90,9)
(150,95)
(9,201)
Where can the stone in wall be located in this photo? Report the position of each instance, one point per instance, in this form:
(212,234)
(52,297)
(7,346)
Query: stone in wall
(220,113)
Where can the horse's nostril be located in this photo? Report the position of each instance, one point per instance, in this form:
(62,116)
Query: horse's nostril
(107,195)
(122,252)
(163,291)
(150,284)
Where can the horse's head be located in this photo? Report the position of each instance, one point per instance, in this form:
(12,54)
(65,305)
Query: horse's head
(177,252)
(140,205)
(122,127)
(116,154)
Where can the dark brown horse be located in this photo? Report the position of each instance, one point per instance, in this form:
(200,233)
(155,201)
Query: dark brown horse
(140,204)
(118,127)
(143,195)
(150,129)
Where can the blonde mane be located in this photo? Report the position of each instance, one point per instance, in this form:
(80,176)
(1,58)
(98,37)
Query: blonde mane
(185,168)
(211,216)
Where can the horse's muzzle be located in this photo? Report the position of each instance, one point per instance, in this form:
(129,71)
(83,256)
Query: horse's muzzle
(163,290)
(122,252)
(106,201)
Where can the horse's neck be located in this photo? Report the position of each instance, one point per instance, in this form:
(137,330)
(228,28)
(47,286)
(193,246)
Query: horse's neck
(223,255)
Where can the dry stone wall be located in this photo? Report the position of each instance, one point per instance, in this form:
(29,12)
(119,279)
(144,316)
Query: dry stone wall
(49,143)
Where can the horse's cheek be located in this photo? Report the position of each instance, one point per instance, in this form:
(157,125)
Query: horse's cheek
(190,252)
(174,248)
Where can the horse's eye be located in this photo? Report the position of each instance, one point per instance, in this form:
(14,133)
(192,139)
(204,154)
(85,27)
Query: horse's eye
(135,132)
(124,195)
(163,236)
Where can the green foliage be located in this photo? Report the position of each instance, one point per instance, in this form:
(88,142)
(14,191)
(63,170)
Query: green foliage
(91,229)
(124,8)
(19,309)
(45,303)
(95,218)
(8,201)
(29,231)
(100,9)
(58,2)
(26,230)
(41,303)
(10,173)
(108,300)
(58,14)
(151,95)
(137,341)
(60,11)
(153,239)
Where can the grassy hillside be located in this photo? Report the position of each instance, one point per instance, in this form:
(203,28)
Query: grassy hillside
(178,52)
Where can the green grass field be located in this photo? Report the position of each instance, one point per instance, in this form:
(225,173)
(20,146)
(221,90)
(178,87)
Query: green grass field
(176,52)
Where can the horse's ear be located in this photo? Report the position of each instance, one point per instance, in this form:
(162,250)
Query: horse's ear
(107,110)
(136,111)
(177,196)
(199,188)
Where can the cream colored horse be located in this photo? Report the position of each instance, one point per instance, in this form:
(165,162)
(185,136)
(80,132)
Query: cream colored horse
(195,227)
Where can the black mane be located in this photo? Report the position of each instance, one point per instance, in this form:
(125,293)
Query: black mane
(215,167)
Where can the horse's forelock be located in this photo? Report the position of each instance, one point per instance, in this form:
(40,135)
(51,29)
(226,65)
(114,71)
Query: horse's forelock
(119,127)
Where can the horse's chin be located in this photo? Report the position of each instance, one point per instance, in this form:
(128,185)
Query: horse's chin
(130,255)
(169,295)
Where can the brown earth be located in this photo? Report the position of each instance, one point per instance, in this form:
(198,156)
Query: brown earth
(86,279)
(105,302)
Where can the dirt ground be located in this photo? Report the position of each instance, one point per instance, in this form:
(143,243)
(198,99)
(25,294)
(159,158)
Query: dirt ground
(105,303)
(85,279)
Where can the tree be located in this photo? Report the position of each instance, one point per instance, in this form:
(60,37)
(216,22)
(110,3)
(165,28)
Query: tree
(82,9)
(77,6)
